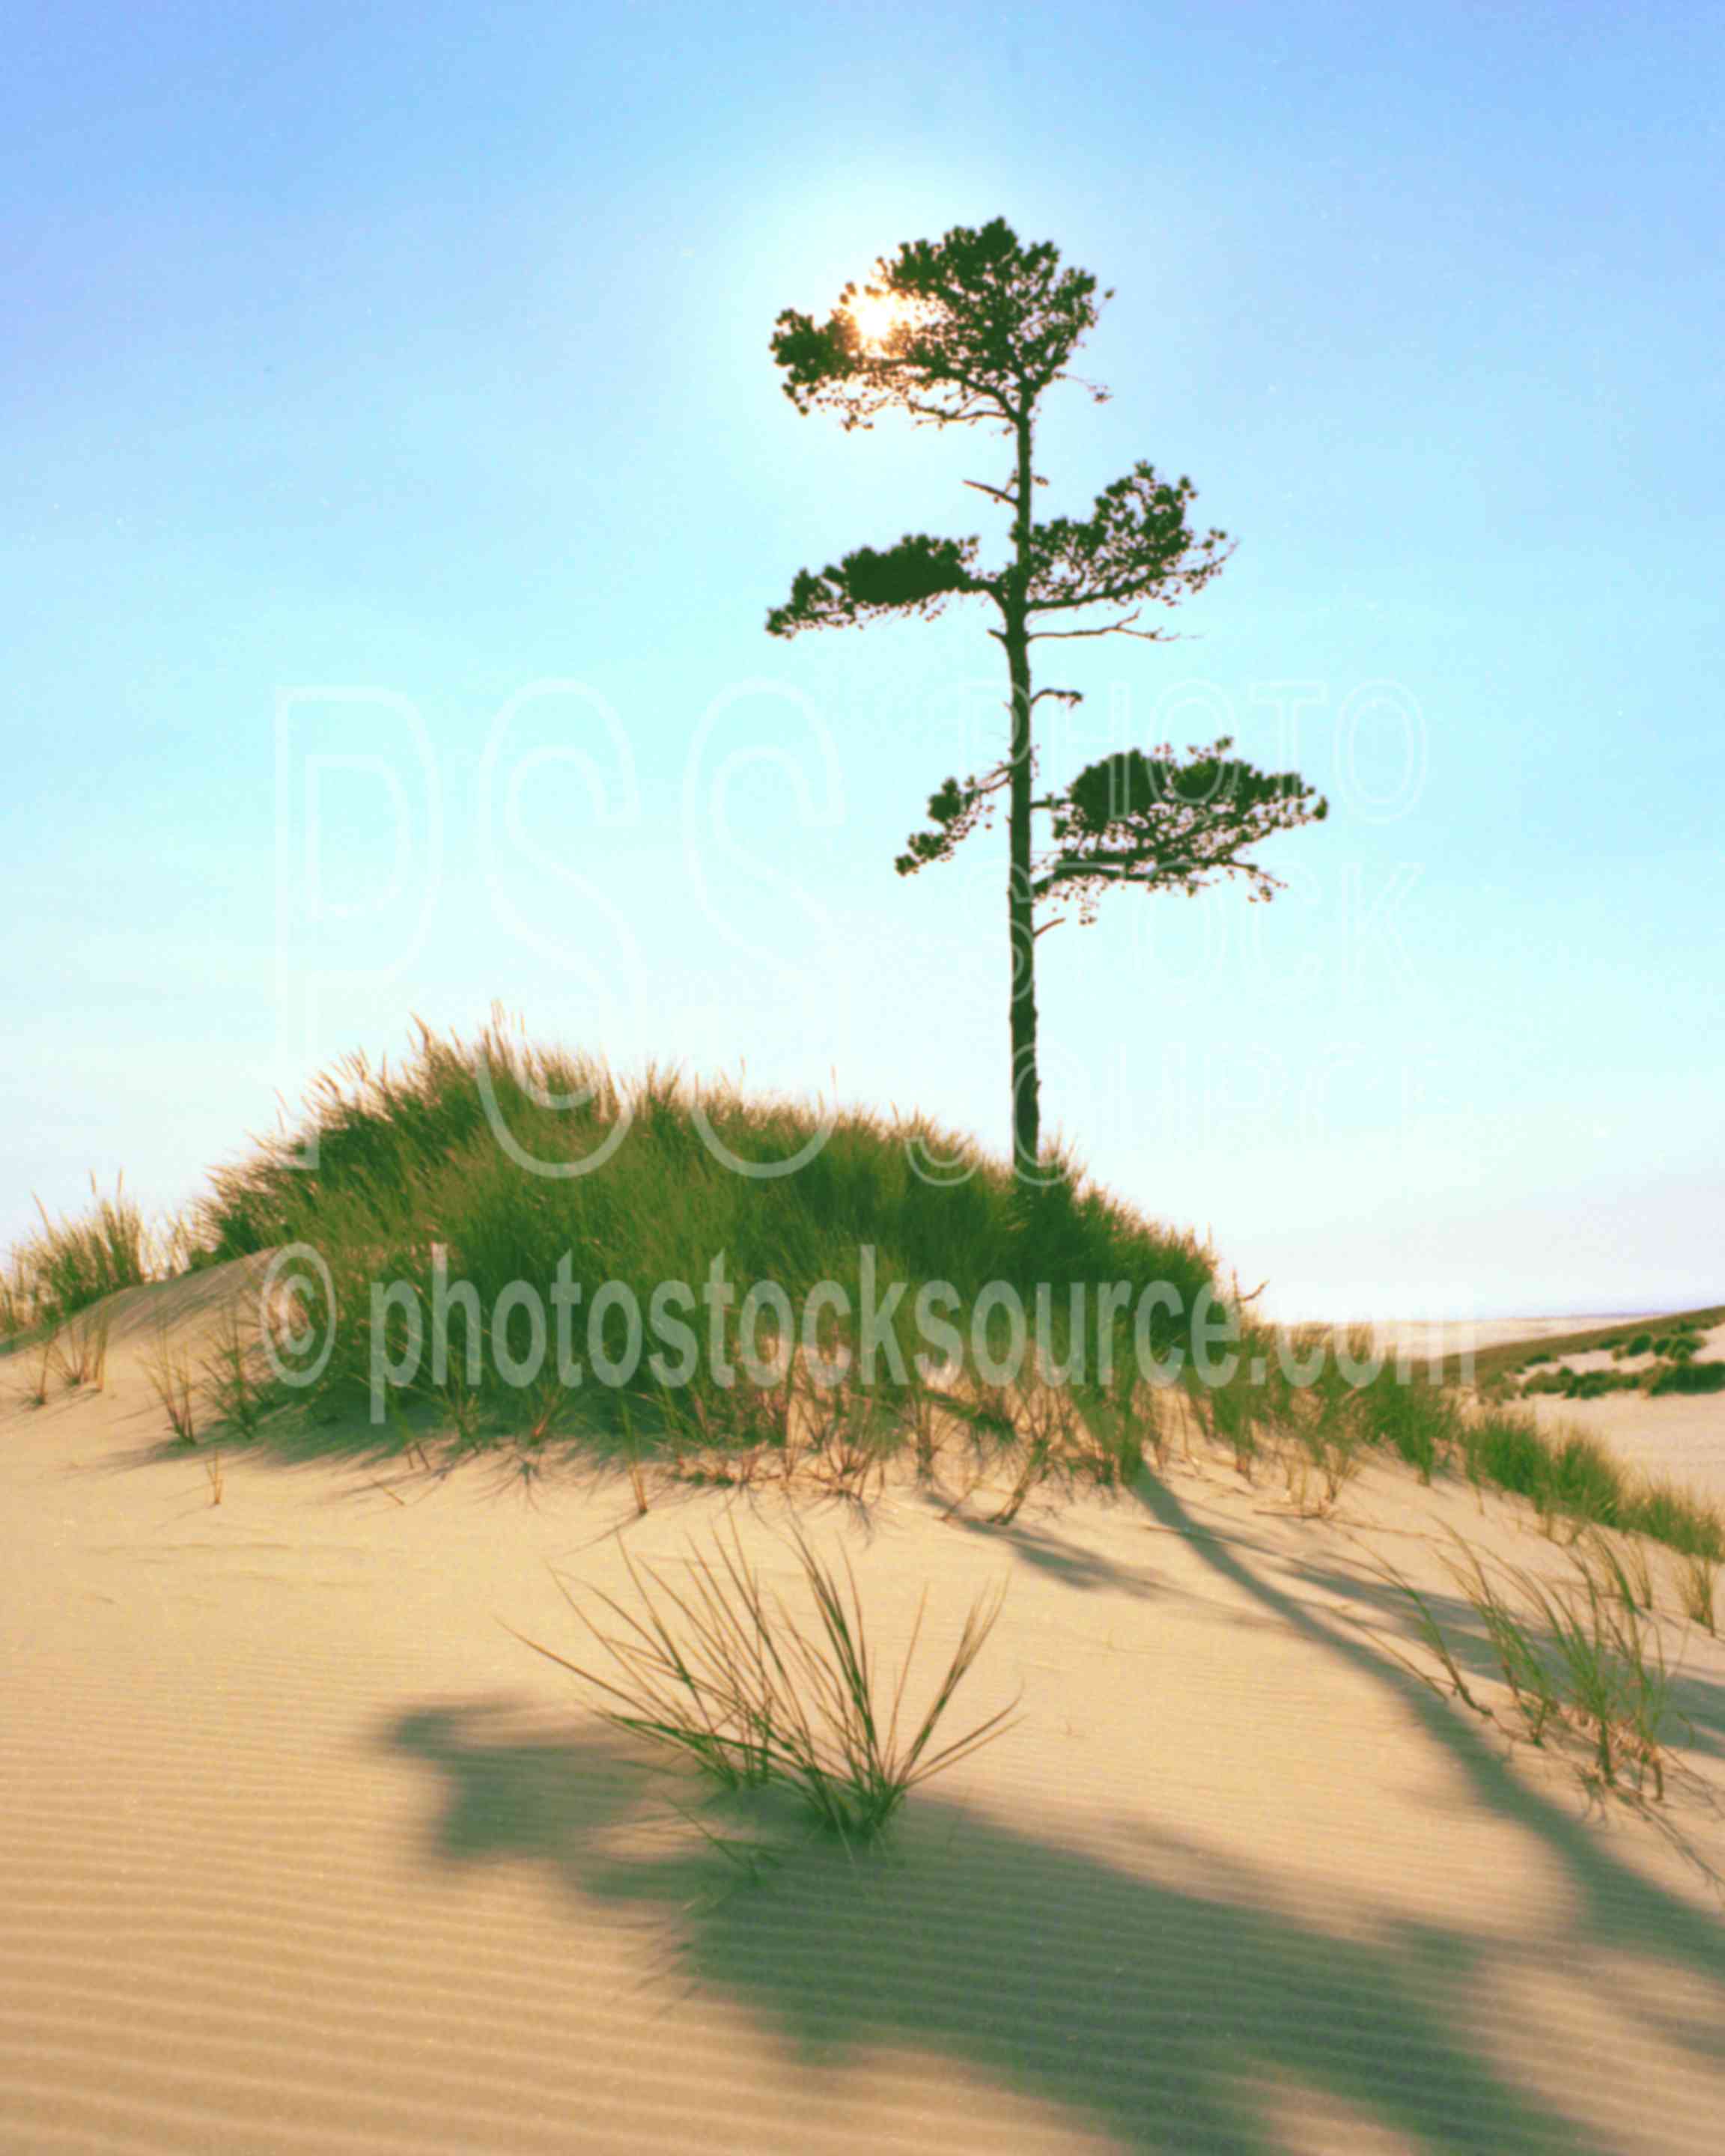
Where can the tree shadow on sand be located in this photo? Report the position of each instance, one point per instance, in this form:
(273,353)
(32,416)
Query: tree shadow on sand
(1169,2003)
(1039,1549)
(1155,2012)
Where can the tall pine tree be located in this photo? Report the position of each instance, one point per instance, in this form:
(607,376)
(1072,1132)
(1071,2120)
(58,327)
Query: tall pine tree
(969,331)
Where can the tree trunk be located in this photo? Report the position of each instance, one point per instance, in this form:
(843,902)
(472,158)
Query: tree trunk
(1026,1103)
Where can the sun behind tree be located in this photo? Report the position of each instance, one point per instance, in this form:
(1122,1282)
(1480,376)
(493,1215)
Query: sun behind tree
(877,315)
(881,317)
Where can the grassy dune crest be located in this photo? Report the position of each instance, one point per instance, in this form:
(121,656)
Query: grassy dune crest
(469,1164)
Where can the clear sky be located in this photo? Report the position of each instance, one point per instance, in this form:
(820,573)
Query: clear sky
(418,356)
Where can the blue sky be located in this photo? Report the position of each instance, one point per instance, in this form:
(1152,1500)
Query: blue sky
(420,355)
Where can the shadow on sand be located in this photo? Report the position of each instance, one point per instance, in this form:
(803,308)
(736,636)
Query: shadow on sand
(1163,2005)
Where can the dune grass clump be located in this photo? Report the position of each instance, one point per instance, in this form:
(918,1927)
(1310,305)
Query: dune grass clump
(1317,1415)
(1320,1455)
(723,1675)
(1572,1482)
(72,1264)
(1506,1447)
(1583,1482)
(236,1390)
(44,1364)
(1580,1656)
(1571,1477)
(1486,1369)
(1238,1402)
(1689,1377)
(1678,1344)
(168,1368)
(1418,1421)
(1696,1576)
(1584,1384)
(79,1350)
(1620,1565)
(1676,1371)
(1665,1513)
(1320,1401)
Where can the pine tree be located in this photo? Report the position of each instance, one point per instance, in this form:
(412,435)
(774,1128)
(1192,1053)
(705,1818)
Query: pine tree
(971,330)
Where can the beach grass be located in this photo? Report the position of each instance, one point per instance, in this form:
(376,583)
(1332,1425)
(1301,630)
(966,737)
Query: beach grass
(16,1315)
(724,1675)
(167,1368)
(1321,1402)
(43,1365)
(1620,1565)
(79,1348)
(70,1264)
(235,1389)
(1576,1656)
(1684,1376)
(1421,1423)
(1696,1578)
(1575,1483)
(453,1180)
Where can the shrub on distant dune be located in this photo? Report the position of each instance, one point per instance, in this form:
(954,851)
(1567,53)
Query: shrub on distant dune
(1678,1346)
(1583,1384)
(1689,1377)
(1594,1384)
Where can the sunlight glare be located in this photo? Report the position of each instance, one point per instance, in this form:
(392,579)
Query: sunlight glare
(876,315)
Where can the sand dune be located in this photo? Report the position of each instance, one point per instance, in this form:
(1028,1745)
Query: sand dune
(303,1850)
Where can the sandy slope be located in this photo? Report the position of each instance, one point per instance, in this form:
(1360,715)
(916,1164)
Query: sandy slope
(300,1849)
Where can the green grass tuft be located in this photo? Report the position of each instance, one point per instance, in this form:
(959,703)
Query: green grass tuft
(723,1675)
(168,1368)
(72,1264)
(1580,1656)
(1420,1421)
(79,1349)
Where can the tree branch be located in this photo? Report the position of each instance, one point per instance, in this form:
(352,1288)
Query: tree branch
(1109,628)
(1163,824)
(917,576)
